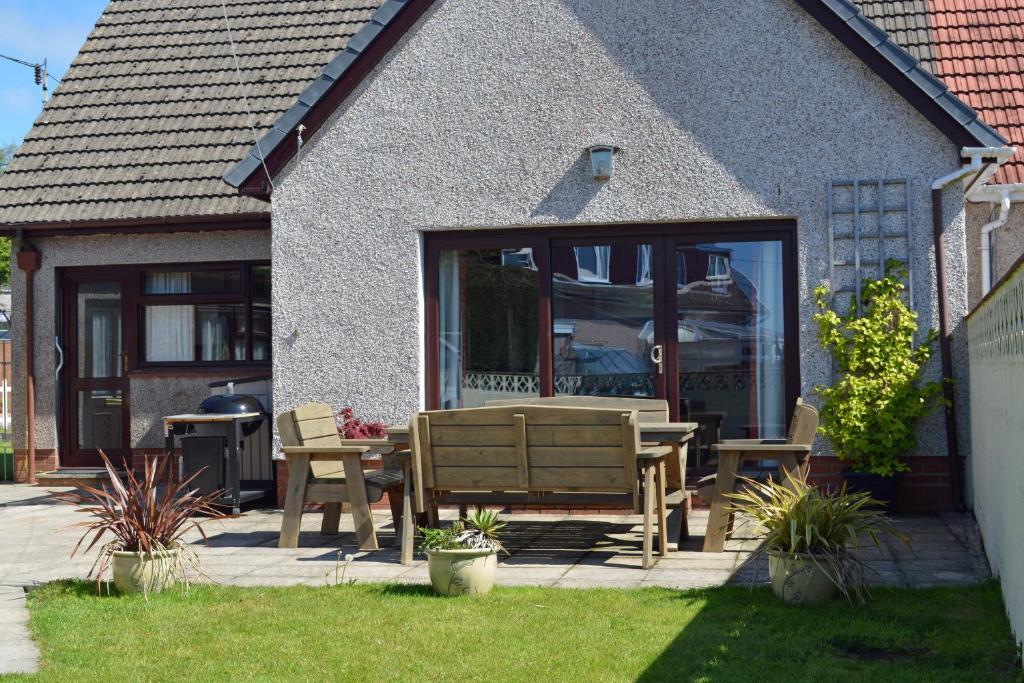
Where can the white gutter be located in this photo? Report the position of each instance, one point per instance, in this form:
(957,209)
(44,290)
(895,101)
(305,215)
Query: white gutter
(986,242)
(997,155)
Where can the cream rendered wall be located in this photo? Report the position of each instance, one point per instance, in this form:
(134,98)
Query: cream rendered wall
(479,119)
(151,397)
(1009,243)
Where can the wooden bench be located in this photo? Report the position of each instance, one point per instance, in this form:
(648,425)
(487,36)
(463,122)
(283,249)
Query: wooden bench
(792,455)
(322,468)
(649,411)
(540,449)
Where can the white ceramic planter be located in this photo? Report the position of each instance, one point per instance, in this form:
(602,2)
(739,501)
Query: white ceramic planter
(144,572)
(462,572)
(799,579)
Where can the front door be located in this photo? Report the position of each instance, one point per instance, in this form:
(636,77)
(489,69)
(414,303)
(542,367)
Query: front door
(95,412)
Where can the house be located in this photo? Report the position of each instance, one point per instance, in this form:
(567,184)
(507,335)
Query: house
(977,49)
(472,200)
(560,163)
(143,276)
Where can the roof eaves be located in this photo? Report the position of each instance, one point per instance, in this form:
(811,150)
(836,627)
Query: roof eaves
(311,96)
(902,71)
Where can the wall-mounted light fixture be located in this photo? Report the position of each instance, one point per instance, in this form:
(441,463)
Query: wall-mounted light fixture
(602,160)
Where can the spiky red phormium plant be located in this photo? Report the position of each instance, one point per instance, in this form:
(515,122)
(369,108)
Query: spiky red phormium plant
(140,518)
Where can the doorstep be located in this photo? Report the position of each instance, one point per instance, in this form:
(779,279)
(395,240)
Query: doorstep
(74,476)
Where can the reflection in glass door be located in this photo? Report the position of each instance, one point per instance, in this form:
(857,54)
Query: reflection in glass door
(96,387)
(731,339)
(487,301)
(603,313)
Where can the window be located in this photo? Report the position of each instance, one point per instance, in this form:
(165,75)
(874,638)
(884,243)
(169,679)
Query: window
(593,264)
(205,314)
(718,267)
(644,269)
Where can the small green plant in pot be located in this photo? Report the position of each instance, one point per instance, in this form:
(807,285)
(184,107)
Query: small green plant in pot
(462,558)
(148,552)
(870,414)
(807,536)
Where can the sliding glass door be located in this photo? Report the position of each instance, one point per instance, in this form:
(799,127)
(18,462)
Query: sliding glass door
(731,339)
(488,325)
(604,319)
(703,316)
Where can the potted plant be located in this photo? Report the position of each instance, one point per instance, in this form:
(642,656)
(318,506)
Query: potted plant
(462,558)
(807,534)
(147,552)
(870,414)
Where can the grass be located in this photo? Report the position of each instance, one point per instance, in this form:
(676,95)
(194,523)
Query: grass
(397,632)
(6,461)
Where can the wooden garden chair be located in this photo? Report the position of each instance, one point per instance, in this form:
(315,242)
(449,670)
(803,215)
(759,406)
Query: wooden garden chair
(322,468)
(791,454)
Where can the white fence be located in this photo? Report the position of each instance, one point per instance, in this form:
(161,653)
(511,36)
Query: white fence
(996,337)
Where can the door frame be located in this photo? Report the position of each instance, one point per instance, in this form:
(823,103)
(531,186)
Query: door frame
(664,236)
(70,384)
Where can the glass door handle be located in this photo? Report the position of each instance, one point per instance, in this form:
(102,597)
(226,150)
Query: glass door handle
(657,357)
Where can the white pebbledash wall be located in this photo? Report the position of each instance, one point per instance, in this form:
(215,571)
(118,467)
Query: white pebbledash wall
(480,117)
(996,475)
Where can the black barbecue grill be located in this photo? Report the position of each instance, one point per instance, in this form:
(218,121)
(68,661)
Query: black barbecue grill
(226,444)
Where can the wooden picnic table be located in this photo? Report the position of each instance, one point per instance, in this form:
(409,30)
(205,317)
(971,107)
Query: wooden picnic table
(673,434)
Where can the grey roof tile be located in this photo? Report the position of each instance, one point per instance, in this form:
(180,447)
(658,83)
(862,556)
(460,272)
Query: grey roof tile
(150,115)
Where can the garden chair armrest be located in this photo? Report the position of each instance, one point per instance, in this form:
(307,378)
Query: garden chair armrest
(324,450)
(756,447)
(653,452)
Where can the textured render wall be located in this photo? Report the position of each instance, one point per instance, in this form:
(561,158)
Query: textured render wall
(996,472)
(1009,243)
(150,397)
(481,118)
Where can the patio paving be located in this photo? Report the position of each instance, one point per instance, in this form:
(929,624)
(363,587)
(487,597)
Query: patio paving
(560,550)
(545,549)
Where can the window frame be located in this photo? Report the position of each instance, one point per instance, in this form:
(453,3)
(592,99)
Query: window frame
(134,308)
(666,238)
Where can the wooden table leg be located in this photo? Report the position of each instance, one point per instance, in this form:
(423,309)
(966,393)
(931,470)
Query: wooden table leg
(681,452)
(659,473)
(408,525)
(295,500)
(718,517)
(332,517)
(648,514)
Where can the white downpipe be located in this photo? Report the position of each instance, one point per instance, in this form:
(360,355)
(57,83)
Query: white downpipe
(986,241)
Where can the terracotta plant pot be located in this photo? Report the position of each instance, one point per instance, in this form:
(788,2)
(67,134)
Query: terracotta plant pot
(144,572)
(799,579)
(462,572)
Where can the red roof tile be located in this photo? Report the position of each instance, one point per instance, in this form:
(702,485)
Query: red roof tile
(979,53)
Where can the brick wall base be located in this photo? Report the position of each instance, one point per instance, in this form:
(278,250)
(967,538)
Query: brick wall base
(927,486)
(46,460)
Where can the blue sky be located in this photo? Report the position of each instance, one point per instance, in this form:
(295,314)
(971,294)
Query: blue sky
(33,30)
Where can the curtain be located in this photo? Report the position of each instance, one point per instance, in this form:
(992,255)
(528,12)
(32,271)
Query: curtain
(213,341)
(769,335)
(449,301)
(170,330)
(103,350)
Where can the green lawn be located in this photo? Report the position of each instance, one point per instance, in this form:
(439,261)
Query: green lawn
(6,461)
(392,632)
